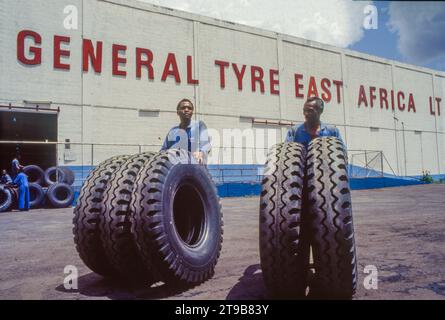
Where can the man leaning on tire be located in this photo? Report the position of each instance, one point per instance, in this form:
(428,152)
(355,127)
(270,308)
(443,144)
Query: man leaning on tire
(189,134)
(312,127)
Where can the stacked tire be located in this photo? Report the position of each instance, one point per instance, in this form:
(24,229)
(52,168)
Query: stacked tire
(150,217)
(7,198)
(36,185)
(60,193)
(306,203)
(53,186)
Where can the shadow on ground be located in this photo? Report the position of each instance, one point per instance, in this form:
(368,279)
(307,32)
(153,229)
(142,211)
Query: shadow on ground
(94,285)
(250,286)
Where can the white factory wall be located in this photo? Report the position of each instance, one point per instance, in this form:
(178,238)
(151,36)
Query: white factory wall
(42,82)
(102,108)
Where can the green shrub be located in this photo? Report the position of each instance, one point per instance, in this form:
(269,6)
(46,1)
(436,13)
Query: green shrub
(426,177)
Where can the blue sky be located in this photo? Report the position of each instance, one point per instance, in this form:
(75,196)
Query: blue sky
(379,42)
(411,31)
(384,42)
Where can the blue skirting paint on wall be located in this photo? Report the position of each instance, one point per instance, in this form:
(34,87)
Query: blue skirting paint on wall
(245,180)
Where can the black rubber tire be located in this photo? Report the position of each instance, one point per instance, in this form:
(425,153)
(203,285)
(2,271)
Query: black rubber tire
(332,231)
(167,190)
(284,249)
(60,195)
(57,173)
(6,198)
(69,175)
(115,226)
(15,194)
(35,174)
(87,217)
(36,195)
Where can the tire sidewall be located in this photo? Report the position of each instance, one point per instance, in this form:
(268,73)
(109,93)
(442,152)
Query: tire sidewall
(51,195)
(6,205)
(206,249)
(38,191)
(54,170)
(34,171)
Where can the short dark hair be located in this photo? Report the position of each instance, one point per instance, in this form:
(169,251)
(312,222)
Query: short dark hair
(184,100)
(318,102)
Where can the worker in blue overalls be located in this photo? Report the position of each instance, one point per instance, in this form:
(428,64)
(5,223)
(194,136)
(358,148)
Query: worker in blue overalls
(189,134)
(5,178)
(312,127)
(21,180)
(15,166)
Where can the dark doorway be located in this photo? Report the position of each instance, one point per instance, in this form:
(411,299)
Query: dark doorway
(28,126)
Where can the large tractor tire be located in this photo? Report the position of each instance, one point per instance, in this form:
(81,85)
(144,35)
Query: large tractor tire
(115,227)
(284,249)
(87,216)
(6,198)
(36,195)
(60,195)
(332,232)
(177,218)
(35,174)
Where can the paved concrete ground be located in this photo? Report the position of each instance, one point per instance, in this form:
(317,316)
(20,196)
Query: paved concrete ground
(399,230)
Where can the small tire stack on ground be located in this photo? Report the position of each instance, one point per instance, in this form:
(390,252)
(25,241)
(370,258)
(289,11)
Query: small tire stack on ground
(60,193)
(58,175)
(6,198)
(36,179)
(298,210)
(36,195)
(150,217)
(35,174)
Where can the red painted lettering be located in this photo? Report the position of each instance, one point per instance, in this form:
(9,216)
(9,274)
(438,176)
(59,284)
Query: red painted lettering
(400,105)
(362,97)
(438,100)
(239,74)
(338,84)
(88,52)
(257,75)
(383,94)
(141,62)
(222,76)
(325,87)
(116,59)
(274,82)
(171,69)
(298,85)
(312,91)
(372,96)
(37,52)
(411,104)
(190,79)
(58,52)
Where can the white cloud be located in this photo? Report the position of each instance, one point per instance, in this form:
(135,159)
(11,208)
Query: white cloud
(420,27)
(335,22)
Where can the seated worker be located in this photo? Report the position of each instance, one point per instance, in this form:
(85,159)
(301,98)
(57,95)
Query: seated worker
(312,128)
(15,166)
(21,180)
(189,134)
(5,178)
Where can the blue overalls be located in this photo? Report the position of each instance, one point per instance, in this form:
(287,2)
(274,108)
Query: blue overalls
(299,134)
(194,138)
(22,181)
